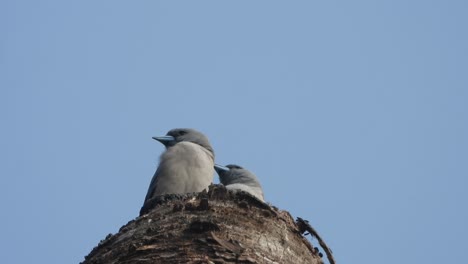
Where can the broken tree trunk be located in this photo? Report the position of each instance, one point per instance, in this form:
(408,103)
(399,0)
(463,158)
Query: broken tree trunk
(218,226)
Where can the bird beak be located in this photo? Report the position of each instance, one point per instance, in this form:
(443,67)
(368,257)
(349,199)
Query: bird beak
(220,169)
(164,139)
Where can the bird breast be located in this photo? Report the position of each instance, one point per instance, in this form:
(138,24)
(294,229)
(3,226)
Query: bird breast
(255,191)
(187,167)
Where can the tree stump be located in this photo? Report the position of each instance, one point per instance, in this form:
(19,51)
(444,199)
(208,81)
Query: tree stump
(218,226)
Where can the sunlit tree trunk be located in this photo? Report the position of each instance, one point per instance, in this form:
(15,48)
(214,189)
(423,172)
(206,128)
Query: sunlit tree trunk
(217,226)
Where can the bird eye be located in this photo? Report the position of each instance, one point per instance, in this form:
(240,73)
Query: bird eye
(181,133)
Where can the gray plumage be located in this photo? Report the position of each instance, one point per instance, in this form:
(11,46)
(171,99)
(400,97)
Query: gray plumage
(186,166)
(235,177)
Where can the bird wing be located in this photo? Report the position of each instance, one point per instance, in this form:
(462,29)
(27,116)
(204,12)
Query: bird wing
(153,185)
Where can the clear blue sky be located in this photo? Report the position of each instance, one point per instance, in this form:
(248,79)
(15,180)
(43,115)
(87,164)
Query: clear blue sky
(353,115)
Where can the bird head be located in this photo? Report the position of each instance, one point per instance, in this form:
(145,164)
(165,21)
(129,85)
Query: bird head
(177,135)
(232,173)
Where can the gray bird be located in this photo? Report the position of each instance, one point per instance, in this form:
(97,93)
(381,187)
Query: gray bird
(235,177)
(186,166)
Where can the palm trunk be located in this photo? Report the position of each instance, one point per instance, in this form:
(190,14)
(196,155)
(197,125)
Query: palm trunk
(217,226)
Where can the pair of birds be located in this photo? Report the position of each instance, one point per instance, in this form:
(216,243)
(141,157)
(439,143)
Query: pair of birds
(188,166)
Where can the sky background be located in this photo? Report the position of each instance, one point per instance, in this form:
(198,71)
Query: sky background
(353,115)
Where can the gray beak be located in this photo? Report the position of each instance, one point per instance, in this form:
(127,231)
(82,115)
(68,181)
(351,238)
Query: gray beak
(220,169)
(164,139)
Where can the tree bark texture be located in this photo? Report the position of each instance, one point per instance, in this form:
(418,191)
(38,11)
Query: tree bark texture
(217,226)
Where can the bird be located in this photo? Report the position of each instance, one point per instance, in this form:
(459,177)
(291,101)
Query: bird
(234,177)
(186,166)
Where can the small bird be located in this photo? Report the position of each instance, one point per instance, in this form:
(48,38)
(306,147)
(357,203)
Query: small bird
(185,167)
(234,177)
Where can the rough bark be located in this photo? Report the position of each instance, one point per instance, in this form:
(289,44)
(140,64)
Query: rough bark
(218,226)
